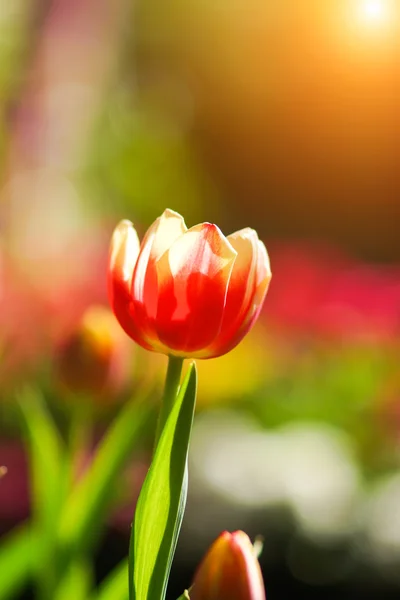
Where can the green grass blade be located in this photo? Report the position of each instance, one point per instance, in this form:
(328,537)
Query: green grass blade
(77,581)
(19,556)
(49,483)
(161,504)
(115,585)
(47,456)
(83,517)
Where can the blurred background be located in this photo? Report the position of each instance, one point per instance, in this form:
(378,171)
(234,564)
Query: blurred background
(283,116)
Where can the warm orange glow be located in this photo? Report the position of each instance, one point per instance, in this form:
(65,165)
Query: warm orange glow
(375,11)
(374,21)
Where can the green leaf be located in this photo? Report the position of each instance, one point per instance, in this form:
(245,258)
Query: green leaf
(115,586)
(19,556)
(84,513)
(161,503)
(47,453)
(185,596)
(49,482)
(76,581)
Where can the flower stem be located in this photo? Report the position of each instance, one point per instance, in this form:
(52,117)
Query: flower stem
(80,438)
(171,389)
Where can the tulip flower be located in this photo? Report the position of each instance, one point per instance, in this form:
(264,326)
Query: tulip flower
(94,359)
(187,292)
(229,571)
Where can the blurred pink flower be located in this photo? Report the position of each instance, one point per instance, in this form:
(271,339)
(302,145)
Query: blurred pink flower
(364,302)
(320,291)
(81,284)
(38,311)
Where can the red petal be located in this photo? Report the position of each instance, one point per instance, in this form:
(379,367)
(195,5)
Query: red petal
(124,250)
(159,237)
(263,278)
(249,315)
(249,563)
(193,278)
(241,285)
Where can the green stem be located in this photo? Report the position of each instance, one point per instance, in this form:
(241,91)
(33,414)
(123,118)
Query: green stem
(171,389)
(79,438)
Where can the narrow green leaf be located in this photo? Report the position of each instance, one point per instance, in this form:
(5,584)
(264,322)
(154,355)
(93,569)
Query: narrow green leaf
(77,581)
(83,517)
(46,451)
(115,586)
(49,482)
(185,596)
(161,503)
(19,556)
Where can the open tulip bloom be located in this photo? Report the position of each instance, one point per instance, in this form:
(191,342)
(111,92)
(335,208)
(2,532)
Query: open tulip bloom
(185,293)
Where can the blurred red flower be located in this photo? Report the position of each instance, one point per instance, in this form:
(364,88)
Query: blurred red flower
(318,290)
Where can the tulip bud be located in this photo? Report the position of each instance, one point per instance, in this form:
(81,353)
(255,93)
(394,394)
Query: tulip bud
(93,360)
(229,571)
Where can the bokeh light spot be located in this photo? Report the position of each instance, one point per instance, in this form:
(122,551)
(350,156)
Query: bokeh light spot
(375,12)
(374,9)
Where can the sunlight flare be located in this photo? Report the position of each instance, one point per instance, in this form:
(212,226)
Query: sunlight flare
(375,11)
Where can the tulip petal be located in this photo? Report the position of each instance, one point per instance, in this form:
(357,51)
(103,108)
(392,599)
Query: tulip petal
(252,582)
(193,278)
(159,237)
(171,225)
(124,250)
(241,285)
(229,571)
(261,278)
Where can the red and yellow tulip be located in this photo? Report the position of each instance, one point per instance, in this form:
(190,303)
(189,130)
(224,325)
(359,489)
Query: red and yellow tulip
(187,292)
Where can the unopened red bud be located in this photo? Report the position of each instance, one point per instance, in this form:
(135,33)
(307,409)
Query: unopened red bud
(229,571)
